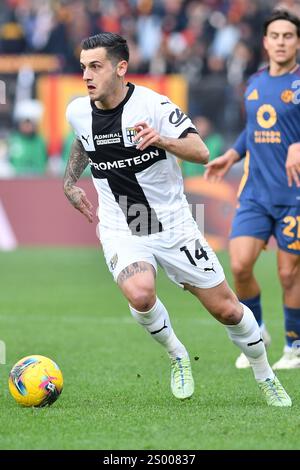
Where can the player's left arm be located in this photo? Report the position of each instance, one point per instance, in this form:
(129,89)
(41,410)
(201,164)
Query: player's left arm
(293,164)
(189,147)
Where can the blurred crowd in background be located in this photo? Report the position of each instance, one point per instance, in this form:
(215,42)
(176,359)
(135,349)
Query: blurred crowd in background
(214,44)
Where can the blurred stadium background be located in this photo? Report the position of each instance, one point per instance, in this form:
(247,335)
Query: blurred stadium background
(199,53)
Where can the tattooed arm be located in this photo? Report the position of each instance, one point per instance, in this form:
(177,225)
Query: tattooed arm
(77,163)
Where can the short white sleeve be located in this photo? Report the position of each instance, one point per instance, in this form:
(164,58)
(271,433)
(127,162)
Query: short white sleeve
(70,116)
(79,115)
(170,121)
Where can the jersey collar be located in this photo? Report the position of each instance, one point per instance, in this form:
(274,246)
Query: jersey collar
(120,105)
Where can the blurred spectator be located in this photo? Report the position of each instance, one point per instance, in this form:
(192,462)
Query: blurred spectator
(26,148)
(225,40)
(214,44)
(240,64)
(292,5)
(213,141)
(12,37)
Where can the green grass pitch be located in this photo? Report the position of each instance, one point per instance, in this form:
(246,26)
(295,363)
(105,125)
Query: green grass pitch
(62,303)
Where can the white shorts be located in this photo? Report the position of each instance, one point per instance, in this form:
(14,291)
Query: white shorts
(182,252)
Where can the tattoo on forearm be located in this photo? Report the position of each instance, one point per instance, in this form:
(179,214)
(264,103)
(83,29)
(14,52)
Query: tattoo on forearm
(77,163)
(132,269)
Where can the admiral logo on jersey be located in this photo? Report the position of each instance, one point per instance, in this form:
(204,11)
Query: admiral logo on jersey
(104,139)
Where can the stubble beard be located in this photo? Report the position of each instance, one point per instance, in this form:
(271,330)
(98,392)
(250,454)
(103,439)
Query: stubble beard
(102,97)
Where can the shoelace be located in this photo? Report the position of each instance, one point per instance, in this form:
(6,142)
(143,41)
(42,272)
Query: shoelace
(274,390)
(181,371)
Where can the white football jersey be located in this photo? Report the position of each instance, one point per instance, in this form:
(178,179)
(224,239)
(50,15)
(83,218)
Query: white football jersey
(140,192)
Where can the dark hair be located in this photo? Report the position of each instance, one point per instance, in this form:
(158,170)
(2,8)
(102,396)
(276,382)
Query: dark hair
(116,46)
(282,15)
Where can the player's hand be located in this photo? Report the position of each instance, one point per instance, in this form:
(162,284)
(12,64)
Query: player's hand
(217,169)
(292,165)
(78,199)
(146,136)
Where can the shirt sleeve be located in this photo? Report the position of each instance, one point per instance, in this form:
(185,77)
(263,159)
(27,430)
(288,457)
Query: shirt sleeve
(70,120)
(240,145)
(170,121)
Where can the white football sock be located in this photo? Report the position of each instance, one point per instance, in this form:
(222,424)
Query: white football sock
(157,322)
(247,336)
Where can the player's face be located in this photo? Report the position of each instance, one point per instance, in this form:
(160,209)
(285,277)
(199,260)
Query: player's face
(281,42)
(101,75)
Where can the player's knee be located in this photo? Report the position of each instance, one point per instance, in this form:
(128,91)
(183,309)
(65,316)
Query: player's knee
(242,271)
(287,276)
(229,312)
(142,298)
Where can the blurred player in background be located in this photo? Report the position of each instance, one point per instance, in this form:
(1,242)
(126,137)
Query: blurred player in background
(269,194)
(131,137)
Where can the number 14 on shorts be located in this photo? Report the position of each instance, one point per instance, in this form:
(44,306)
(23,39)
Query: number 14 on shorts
(198,254)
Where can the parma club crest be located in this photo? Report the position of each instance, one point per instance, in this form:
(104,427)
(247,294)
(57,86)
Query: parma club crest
(131,133)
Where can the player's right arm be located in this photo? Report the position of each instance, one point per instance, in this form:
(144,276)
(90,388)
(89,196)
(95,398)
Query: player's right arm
(217,169)
(77,163)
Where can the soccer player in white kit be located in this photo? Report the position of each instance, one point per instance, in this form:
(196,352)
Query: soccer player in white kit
(132,137)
